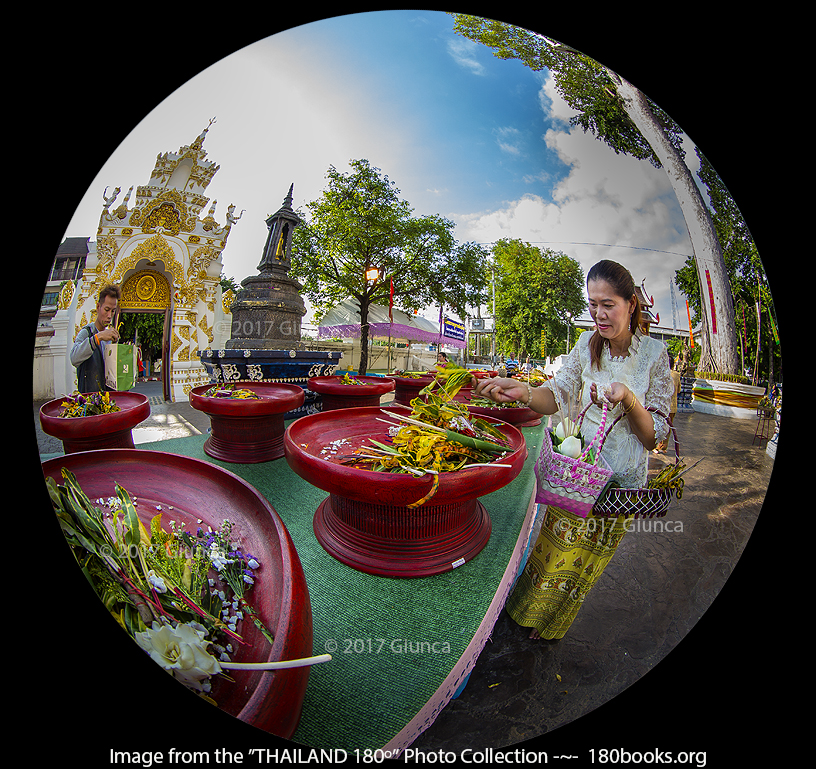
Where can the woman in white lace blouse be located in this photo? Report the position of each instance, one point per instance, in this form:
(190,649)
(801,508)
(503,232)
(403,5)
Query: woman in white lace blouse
(630,371)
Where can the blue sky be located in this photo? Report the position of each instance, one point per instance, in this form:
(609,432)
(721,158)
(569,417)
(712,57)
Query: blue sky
(483,142)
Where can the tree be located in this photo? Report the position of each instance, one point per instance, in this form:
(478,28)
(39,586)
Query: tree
(619,114)
(149,326)
(536,290)
(360,223)
(229,284)
(748,282)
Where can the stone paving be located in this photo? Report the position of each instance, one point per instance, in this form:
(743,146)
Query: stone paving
(661,581)
(664,577)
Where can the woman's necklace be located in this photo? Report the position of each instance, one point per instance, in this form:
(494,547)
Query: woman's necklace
(624,349)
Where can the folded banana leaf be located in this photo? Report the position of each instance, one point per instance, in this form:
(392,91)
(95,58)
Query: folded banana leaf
(475,443)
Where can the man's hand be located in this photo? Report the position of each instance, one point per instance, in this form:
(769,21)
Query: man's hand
(109,334)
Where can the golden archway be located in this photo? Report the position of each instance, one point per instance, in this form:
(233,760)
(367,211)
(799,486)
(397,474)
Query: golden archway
(144,291)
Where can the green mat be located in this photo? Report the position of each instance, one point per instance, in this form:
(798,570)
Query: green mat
(393,641)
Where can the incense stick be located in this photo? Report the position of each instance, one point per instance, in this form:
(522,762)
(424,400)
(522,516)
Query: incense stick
(303,662)
(418,423)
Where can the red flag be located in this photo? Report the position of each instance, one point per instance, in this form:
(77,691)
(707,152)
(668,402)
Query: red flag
(391,303)
(691,334)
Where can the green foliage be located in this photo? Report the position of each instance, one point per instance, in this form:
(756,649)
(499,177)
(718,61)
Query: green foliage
(535,289)
(586,86)
(150,328)
(359,222)
(717,377)
(748,282)
(228,283)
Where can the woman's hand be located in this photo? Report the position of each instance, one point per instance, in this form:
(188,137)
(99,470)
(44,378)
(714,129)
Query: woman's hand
(502,390)
(640,420)
(613,394)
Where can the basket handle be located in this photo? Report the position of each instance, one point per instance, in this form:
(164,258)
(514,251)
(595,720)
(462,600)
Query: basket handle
(598,434)
(654,411)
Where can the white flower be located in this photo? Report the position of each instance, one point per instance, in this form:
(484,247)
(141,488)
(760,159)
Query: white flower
(252,563)
(157,582)
(181,651)
(218,557)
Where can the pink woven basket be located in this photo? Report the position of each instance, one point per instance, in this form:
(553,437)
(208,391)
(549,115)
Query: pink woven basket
(572,484)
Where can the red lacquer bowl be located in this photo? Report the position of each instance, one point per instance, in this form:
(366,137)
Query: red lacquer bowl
(203,494)
(103,431)
(366,522)
(248,430)
(337,395)
(520,416)
(407,388)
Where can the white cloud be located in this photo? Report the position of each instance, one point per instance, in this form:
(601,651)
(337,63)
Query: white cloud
(608,206)
(552,105)
(463,53)
(509,139)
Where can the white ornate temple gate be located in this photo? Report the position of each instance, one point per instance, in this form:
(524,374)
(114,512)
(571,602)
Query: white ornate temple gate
(165,259)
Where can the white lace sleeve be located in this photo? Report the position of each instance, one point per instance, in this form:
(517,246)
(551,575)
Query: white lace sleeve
(660,391)
(568,380)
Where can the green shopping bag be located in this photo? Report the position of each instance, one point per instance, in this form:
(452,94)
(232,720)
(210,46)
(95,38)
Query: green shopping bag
(120,366)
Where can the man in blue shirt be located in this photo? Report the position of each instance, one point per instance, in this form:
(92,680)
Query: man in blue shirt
(88,352)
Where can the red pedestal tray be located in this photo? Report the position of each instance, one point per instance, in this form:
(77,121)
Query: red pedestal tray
(520,416)
(248,430)
(200,491)
(407,388)
(103,431)
(365,522)
(337,395)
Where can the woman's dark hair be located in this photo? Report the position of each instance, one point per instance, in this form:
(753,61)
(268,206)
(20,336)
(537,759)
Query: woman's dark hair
(622,283)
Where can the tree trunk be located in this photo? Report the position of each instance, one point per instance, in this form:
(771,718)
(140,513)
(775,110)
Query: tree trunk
(363,336)
(720,353)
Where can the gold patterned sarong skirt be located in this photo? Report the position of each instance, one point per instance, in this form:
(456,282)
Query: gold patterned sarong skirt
(566,561)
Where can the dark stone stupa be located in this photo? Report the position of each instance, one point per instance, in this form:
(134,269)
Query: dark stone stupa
(267,312)
(266,317)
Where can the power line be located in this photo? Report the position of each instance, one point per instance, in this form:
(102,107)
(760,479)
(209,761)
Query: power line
(603,245)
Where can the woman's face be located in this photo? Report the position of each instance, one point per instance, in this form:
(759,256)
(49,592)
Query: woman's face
(611,313)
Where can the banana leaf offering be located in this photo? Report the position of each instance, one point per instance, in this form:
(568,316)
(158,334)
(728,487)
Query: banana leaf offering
(89,405)
(229,391)
(439,436)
